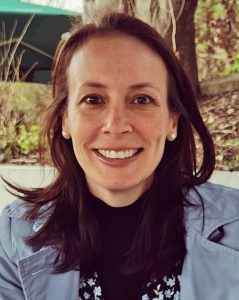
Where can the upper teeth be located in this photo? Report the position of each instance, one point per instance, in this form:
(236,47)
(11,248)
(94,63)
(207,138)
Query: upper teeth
(117,154)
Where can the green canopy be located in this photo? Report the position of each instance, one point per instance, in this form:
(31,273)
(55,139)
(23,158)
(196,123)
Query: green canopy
(17,7)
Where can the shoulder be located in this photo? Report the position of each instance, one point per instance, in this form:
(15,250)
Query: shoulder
(218,198)
(215,205)
(212,192)
(14,229)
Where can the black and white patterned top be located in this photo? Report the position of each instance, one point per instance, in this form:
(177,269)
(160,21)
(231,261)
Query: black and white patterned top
(167,289)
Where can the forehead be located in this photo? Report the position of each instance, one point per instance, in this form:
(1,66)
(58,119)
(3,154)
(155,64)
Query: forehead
(115,54)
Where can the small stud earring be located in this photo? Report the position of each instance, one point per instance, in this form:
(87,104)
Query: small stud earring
(172,137)
(66,135)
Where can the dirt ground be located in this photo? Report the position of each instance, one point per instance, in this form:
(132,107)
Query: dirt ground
(221,115)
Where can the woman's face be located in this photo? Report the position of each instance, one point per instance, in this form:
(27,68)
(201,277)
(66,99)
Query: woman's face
(117,115)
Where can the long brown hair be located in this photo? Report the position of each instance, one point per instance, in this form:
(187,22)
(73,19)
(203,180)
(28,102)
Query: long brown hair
(71,227)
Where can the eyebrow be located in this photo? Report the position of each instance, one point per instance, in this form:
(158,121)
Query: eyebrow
(134,86)
(144,85)
(93,84)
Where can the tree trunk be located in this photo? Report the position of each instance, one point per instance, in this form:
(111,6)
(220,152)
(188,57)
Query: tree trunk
(185,40)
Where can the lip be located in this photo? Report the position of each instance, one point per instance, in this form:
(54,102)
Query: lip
(116,148)
(116,162)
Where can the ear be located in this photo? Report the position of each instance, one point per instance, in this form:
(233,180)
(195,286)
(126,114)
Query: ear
(65,125)
(172,133)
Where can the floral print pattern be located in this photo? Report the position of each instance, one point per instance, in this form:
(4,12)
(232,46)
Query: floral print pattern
(167,289)
(90,288)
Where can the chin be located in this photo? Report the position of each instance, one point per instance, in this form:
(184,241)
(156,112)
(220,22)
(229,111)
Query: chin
(126,185)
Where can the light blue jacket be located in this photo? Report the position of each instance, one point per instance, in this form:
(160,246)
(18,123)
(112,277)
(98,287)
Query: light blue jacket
(210,270)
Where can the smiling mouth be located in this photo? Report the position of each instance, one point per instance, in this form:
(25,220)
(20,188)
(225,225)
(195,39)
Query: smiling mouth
(122,154)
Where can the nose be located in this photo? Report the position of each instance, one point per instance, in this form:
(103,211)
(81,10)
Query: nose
(116,121)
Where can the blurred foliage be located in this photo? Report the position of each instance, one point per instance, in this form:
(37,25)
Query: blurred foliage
(217,37)
(234,67)
(21,107)
(27,139)
(31,99)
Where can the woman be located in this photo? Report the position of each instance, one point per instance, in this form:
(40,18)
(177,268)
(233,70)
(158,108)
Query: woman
(129,215)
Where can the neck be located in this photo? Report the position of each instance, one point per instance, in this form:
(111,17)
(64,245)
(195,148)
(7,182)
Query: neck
(118,198)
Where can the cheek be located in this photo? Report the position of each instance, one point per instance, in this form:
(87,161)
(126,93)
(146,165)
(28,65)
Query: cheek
(79,134)
(79,124)
(154,128)
(83,133)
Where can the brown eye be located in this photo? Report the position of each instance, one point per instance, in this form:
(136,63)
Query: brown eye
(92,99)
(142,100)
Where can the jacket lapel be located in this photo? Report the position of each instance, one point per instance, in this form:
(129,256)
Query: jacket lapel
(38,281)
